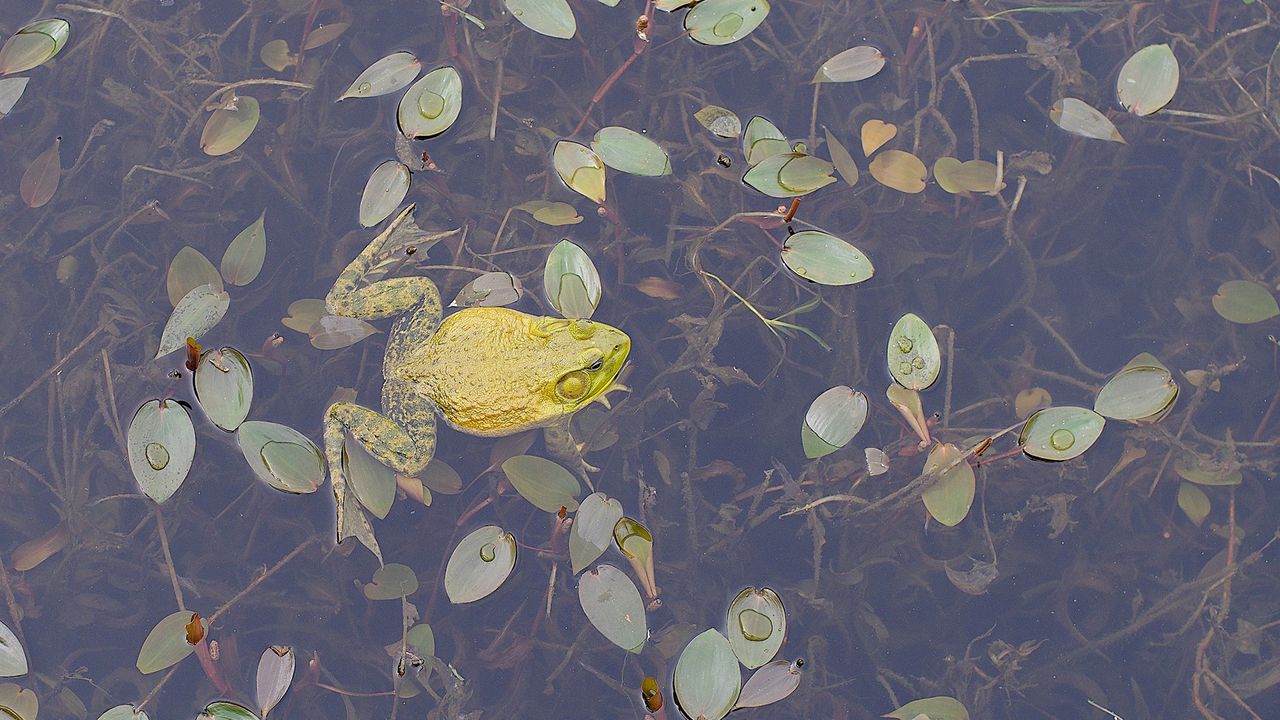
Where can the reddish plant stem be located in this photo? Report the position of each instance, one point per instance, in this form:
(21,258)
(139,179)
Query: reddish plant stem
(1213,15)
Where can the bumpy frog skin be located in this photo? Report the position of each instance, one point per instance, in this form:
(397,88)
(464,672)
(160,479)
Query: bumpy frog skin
(486,371)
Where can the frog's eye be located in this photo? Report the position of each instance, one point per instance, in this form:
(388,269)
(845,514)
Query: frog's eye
(595,366)
(573,386)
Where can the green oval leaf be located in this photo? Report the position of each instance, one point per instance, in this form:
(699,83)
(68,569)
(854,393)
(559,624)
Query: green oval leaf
(34,45)
(762,140)
(580,168)
(1080,118)
(224,387)
(852,65)
(542,482)
(1148,80)
(1208,471)
(1245,302)
(13,659)
(720,22)
(707,680)
(392,582)
(757,624)
(166,645)
(720,121)
(948,499)
(431,105)
(281,457)
(373,483)
(18,703)
(899,170)
(479,564)
(934,708)
(334,332)
(552,18)
(1060,433)
(913,354)
(11,90)
(841,159)
(773,682)
(228,128)
(274,676)
(162,444)
(571,281)
(790,174)
(194,315)
(825,259)
(384,76)
(834,417)
(1194,502)
(628,151)
(383,192)
(189,270)
(123,712)
(550,212)
(243,259)
(613,605)
(592,530)
(222,710)
(492,289)
(1137,393)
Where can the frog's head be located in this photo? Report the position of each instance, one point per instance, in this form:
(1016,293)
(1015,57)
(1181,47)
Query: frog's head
(582,359)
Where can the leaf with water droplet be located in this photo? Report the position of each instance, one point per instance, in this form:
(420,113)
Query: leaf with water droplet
(281,457)
(756,625)
(431,105)
(385,76)
(479,564)
(162,444)
(1060,433)
(913,355)
(720,22)
(552,18)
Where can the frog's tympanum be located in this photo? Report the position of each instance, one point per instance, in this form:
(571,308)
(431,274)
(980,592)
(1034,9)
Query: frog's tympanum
(486,371)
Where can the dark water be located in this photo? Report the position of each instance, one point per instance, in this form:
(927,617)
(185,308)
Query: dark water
(1110,595)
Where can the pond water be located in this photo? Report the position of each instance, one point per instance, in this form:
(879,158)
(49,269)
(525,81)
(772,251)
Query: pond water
(1101,586)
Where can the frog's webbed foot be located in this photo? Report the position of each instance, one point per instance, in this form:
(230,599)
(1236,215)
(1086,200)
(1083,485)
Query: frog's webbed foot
(386,441)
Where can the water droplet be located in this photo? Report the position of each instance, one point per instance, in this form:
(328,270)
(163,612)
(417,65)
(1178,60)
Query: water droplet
(755,626)
(488,552)
(904,368)
(802,270)
(157,456)
(917,362)
(365,87)
(727,25)
(430,105)
(1062,439)
(905,344)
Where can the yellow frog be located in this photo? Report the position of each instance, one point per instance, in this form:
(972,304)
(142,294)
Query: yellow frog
(486,371)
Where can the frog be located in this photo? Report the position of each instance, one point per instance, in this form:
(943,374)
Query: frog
(486,371)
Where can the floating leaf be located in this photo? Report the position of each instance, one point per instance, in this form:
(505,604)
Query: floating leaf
(551,213)
(707,679)
(825,259)
(440,477)
(224,387)
(636,544)
(29,555)
(222,710)
(373,483)
(571,281)
(613,605)
(789,174)
(166,645)
(13,659)
(774,681)
(1207,471)
(913,354)
(324,34)
(762,140)
(34,45)
(11,90)
(421,638)
(948,499)
(1245,302)
(592,530)
(971,176)
(841,159)
(877,461)
(552,18)
(720,22)
(123,712)
(833,419)
(189,270)
(1060,433)
(934,708)
(875,133)
(1148,80)
(899,170)
(479,565)
(277,55)
(580,168)
(492,289)
(228,128)
(243,259)
(274,676)
(431,105)
(542,482)
(907,403)
(385,76)
(720,121)
(852,65)
(303,314)
(162,444)
(281,457)
(1194,503)
(18,703)
(628,151)
(194,315)
(1080,118)
(1138,392)
(1029,400)
(756,625)
(392,582)
(383,192)
(40,179)
(334,332)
